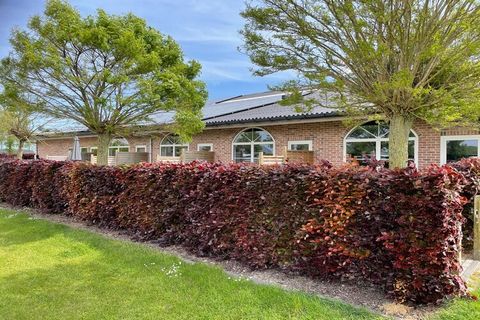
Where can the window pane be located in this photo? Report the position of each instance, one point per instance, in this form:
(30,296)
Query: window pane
(242,153)
(166,151)
(178,150)
(361,150)
(372,128)
(112,151)
(141,149)
(176,139)
(300,147)
(458,149)
(267,150)
(123,149)
(411,150)
(204,148)
(94,151)
(119,142)
(171,139)
(83,150)
(383,130)
(245,137)
(261,136)
(384,150)
(257,135)
(360,133)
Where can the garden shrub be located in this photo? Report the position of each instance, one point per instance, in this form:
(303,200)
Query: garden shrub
(46,183)
(15,187)
(397,228)
(91,193)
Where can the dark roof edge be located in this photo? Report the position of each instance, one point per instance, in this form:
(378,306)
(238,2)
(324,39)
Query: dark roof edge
(278,118)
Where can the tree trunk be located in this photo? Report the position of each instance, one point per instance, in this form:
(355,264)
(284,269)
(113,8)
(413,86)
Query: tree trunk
(102,151)
(21,143)
(400,127)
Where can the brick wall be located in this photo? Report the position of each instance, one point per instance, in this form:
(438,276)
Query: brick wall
(327,138)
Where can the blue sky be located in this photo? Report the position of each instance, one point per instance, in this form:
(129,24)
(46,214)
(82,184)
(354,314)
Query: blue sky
(207,30)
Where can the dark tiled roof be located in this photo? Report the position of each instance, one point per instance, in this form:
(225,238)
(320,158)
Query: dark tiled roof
(272,112)
(260,108)
(255,107)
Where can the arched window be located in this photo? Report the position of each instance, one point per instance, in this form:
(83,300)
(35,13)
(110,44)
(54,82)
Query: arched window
(171,146)
(250,142)
(370,141)
(118,145)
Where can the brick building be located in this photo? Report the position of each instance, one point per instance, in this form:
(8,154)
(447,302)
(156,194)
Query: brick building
(237,129)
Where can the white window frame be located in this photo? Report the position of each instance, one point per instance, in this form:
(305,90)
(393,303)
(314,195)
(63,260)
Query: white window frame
(378,144)
(117,148)
(200,145)
(141,146)
(445,139)
(171,145)
(307,142)
(252,144)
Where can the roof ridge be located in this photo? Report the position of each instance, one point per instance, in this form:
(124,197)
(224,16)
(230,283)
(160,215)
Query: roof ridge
(252,96)
(228,99)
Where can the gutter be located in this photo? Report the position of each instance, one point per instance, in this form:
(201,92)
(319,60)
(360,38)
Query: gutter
(286,119)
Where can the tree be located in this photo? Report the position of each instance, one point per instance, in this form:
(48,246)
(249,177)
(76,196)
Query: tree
(7,142)
(108,73)
(19,119)
(404,60)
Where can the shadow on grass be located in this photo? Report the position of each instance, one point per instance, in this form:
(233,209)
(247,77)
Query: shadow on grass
(16,229)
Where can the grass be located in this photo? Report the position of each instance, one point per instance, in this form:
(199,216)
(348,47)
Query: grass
(51,271)
(461,309)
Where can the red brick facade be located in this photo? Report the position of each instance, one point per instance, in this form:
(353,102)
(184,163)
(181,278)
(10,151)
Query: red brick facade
(327,137)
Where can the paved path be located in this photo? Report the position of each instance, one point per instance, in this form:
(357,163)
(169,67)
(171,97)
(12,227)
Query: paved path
(471,269)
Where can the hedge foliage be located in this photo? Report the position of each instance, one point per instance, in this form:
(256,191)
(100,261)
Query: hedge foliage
(470,169)
(397,228)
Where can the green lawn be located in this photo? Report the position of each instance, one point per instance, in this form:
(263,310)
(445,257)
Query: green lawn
(50,271)
(462,309)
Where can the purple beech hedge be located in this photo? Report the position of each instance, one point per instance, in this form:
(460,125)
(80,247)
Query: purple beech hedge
(396,228)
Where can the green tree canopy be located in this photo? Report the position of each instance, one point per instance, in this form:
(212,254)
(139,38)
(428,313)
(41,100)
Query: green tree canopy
(404,60)
(20,119)
(105,72)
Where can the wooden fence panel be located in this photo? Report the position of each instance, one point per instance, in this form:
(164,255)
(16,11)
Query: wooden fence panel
(476,228)
(189,156)
(130,157)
